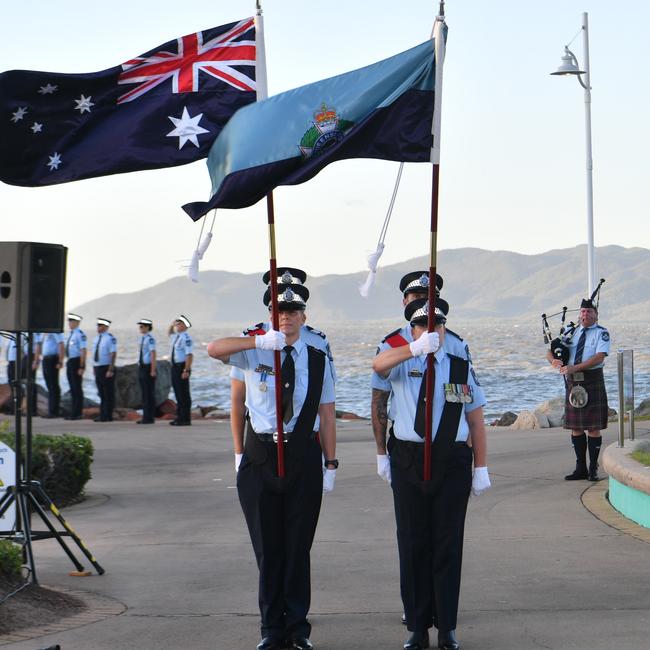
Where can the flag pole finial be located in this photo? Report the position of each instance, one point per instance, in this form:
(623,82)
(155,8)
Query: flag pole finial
(441,10)
(258,5)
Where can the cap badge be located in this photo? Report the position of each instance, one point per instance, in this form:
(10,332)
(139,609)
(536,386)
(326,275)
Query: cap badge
(288,295)
(286,278)
(424,280)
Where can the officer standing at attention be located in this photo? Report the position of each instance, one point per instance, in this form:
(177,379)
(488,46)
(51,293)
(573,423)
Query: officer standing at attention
(282,514)
(104,353)
(287,277)
(75,349)
(52,353)
(585,406)
(430,516)
(147,371)
(182,356)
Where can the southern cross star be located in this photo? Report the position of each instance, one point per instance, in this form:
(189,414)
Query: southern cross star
(37,127)
(187,128)
(55,161)
(19,114)
(83,104)
(49,89)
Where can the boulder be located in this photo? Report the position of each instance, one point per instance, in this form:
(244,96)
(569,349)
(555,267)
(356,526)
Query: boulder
(66,402)
(506,419)
(218,414)
(206,409)
(127,385)
(542,419)
(347,415)
(642,409)
(526,420)
(91,412)
(552,410)
(168,407)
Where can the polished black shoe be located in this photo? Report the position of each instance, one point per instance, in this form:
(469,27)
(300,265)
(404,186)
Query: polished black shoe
(579,474)
(300,643)
(403,619)
(144,421)
(447,640)
(417,641)
(178,423)
(73,417)
(100,420)
(270,643)
(593,473)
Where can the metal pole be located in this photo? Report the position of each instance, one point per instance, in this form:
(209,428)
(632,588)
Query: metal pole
(591,274)
(621,400)
(632,395)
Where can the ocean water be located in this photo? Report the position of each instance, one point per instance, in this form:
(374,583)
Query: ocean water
(509,360)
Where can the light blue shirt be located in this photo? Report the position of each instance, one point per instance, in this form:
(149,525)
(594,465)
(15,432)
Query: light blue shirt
(597,340)
(309,335)
(181,347)
(452,344)
(261,403)
(50,343)
(406,390)
(103,347)
(11,348)
(147,346)
(75,343)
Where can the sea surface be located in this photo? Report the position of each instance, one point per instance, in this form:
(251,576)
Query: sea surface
(509,360)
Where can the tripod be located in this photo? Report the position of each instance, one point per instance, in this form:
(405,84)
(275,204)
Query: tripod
(28,494)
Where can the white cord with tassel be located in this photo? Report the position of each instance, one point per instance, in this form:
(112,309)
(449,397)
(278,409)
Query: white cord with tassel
(202,247)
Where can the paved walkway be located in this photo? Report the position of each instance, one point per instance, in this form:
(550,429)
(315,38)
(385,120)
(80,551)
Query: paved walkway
(163,518)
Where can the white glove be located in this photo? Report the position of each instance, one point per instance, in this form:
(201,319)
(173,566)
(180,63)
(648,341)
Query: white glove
(383,467)
(480,481)
(428,342)
(238,458)
(272,340)
(329,476)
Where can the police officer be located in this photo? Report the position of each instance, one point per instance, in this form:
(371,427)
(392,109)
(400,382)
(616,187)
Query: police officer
(287,277)
(430,516)
(585,406)
(104,354)
(52,352)
(11,364)
(147,371)
(282,514)
(76,345)
(182,356)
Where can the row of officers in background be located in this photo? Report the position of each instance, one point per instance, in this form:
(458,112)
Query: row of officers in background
(57,350)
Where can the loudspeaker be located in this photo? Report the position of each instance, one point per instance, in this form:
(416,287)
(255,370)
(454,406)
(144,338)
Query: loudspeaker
(32,286)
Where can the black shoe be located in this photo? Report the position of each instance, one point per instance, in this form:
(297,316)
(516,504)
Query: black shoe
(270,643)
(300,643)
(417,641)
(579,474)
(99,420)
(447,640)
(178,423)
(73,417)
(593,474)
(403,619)
(143,421)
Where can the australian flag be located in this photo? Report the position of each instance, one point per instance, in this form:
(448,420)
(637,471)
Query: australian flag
(160,109)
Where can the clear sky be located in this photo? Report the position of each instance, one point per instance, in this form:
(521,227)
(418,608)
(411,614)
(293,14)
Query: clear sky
(513,149)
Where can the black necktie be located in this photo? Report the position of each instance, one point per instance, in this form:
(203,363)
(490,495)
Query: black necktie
(140,360)
(288,375)
(420,412)
(581,348)
(99,342)
(174,348)
(67,345)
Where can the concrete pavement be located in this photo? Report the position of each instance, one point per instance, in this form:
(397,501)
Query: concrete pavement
(163,518)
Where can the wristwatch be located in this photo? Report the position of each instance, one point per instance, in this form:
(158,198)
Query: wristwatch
(334,464)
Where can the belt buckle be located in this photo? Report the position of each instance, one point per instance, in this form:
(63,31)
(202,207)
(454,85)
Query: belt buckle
(578,376)
(285,436)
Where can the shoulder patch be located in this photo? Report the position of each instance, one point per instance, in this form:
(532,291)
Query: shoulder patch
(448,331)
(112,338)
(315,331)
(396,340)
(604,335)
(476,381)
(397,331)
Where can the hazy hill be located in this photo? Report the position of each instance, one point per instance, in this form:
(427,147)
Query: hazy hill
(477,284)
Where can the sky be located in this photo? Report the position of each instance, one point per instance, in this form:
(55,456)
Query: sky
(512,173)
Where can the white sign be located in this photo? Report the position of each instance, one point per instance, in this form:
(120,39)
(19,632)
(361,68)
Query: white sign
(7,478)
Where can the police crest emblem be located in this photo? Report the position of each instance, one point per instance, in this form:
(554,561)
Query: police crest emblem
(328,128)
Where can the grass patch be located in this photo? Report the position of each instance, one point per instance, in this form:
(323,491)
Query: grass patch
(642,457)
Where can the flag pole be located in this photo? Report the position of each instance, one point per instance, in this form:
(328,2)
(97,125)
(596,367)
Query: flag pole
(439,49)
(262,93)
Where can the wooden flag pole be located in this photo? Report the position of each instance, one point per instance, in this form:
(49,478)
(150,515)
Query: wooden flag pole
(435,184)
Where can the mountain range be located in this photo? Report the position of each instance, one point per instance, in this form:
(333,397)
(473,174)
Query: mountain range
(478,284)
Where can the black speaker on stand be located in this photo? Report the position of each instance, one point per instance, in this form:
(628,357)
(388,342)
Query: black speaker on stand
(32,299)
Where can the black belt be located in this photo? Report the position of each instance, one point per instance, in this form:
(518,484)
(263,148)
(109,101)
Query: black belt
(420,445)
(50,356)
(273,437)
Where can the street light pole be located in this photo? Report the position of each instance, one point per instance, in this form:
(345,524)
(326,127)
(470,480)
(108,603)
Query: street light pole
(570,67)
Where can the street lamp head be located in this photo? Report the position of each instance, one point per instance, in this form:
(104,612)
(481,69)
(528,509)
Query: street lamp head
(569,64)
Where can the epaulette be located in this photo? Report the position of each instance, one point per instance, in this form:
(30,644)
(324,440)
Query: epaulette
(315,331)
(448,331)
(395,339)
(112,337)
(255,330)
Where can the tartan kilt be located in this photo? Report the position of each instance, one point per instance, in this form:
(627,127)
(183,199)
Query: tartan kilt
(595,414)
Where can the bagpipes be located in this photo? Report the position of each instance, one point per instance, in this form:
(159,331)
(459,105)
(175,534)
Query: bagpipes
(560,344)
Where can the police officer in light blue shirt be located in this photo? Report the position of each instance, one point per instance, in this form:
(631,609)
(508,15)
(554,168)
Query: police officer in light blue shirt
(76,345)
(182,355)
(52,352)
(430,515)
(147,370)
(104,351)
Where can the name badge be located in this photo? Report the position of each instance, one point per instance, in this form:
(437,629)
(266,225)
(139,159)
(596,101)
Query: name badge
(414,372)
(459,393)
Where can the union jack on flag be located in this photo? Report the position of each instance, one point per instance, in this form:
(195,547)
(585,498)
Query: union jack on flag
(160,109)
